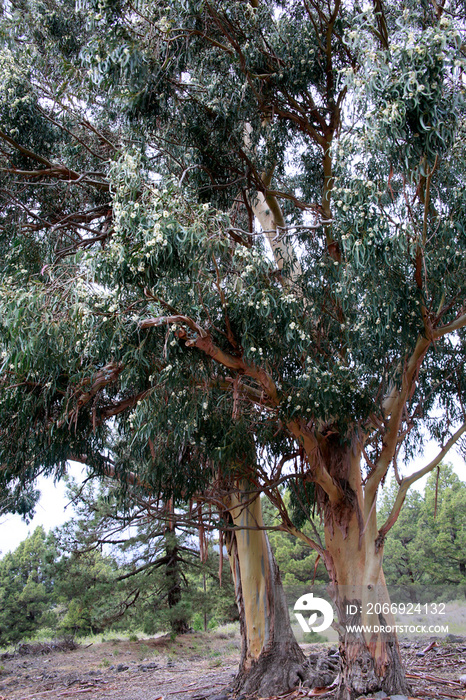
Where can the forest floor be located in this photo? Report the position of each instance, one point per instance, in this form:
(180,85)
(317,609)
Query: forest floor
(193,667)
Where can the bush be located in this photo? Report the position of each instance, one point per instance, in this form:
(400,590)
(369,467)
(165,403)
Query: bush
(198,622)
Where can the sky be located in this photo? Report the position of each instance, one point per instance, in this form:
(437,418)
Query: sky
(55,509)
(52,510)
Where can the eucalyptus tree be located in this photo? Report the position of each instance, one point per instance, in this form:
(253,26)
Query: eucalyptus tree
(247,209)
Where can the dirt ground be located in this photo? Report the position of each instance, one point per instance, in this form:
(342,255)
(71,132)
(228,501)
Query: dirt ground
(191,667)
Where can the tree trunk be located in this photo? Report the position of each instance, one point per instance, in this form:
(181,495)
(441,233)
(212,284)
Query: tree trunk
(370,656)
(369,651)
(179,622)
(271,659)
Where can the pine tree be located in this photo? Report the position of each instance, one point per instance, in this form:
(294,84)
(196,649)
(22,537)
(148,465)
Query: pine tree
(26,587)
(150,572)
(425,548)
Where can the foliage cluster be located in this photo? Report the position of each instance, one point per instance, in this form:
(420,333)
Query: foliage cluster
(162,178)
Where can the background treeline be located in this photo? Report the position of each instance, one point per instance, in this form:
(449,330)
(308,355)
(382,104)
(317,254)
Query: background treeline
(117,566)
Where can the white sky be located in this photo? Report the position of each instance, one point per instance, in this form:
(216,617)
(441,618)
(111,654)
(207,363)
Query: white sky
(54,508)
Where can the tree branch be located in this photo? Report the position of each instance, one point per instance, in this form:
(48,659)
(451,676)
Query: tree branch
(25,151)
(394,406)
(203,341)
(407,482)
(455,325)
(318,470)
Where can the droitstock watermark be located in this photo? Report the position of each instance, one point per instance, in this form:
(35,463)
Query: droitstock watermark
(399,629)
(315,613)
(310,604)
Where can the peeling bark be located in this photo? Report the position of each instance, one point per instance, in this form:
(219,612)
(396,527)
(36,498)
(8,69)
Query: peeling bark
(370,663)
(370,657)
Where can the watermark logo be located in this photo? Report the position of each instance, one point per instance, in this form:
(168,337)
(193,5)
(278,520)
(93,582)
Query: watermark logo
(313,606)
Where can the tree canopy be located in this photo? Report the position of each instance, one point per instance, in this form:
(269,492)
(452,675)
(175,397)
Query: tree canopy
(331,329)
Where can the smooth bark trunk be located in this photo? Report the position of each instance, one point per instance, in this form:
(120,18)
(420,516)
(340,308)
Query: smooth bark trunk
(271,659)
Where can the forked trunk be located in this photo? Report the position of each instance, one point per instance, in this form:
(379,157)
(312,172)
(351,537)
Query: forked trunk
(271,660)
(369,650)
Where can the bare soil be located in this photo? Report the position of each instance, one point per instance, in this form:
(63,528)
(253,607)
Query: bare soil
(191,667)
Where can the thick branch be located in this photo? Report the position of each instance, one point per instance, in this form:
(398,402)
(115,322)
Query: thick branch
(102,378)
(25,151)
(394,406)
(203,341)
(108,470)
(54,170)
(121,406)
(319,473)
(455,325)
